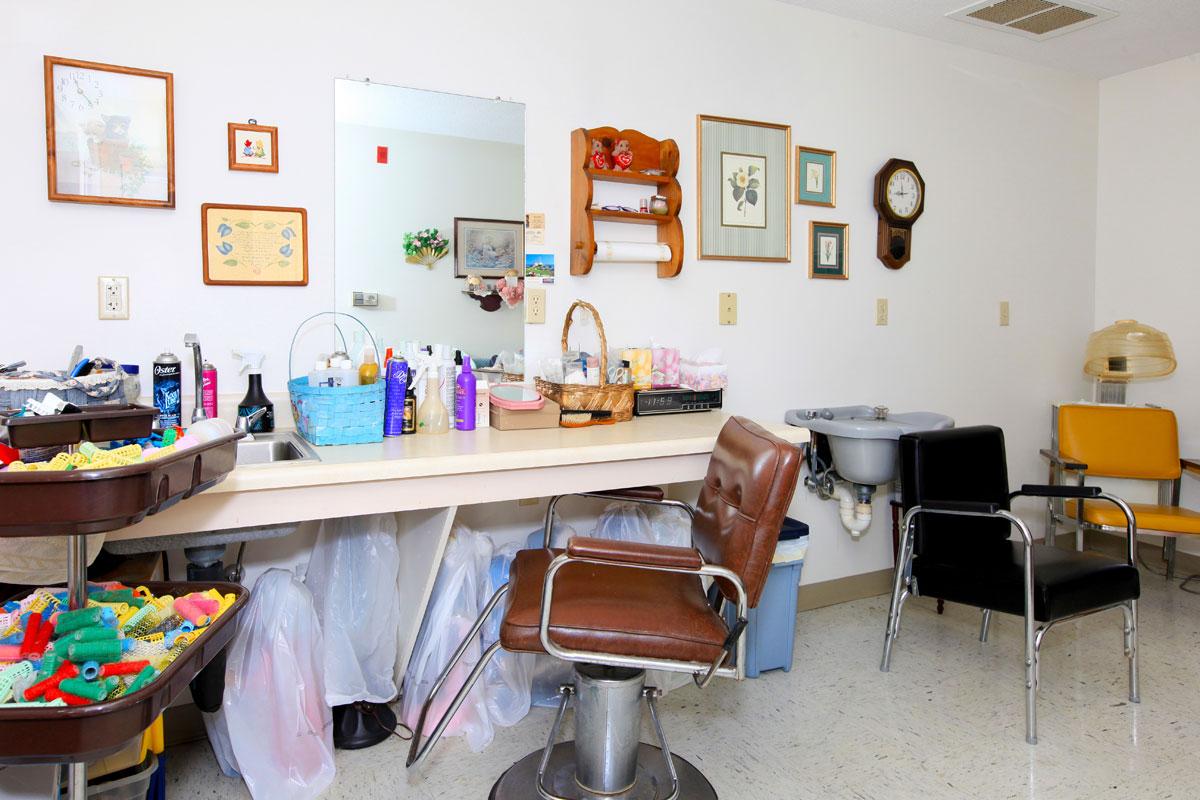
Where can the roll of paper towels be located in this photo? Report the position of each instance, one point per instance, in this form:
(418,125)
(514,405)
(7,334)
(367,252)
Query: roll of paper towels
(632,251)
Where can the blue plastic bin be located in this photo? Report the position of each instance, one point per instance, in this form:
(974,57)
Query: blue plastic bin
(771,633)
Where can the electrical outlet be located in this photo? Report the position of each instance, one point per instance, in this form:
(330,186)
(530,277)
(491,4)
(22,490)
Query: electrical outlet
(1003,313)
(114,296)
(535,305)
(727,312)
(881,311)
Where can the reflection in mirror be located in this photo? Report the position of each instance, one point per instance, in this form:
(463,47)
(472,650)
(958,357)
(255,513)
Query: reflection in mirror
(407,161)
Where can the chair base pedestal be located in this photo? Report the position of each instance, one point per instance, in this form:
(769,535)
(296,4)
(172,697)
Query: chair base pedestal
(519,782)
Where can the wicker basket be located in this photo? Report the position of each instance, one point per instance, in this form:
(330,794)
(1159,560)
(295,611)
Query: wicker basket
(614,397)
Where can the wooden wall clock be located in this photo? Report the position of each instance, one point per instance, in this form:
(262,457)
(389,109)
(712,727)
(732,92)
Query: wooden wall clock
(899,199)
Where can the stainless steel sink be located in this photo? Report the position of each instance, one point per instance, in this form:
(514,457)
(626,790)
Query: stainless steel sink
(269,448)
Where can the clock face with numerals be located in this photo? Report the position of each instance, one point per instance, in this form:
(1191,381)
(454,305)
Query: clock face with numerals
(903,193)
(77,89)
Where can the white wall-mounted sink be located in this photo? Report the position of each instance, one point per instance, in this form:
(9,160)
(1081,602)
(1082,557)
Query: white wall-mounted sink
(864,439)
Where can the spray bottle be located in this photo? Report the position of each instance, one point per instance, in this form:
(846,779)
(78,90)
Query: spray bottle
(255,397)
(432,416)
(464,397)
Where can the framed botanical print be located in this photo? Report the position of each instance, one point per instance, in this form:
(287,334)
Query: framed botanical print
(828,250)
(253,147)
(254,245)
(488,248)
(110,134)
(816,177)
(745,189)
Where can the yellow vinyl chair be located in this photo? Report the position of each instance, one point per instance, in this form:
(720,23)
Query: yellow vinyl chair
(1126,442)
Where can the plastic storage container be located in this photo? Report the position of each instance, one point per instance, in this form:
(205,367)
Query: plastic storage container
(131,785)
(771,633)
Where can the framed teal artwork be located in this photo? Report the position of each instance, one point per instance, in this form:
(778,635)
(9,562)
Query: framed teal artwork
(829,250)
(816,176)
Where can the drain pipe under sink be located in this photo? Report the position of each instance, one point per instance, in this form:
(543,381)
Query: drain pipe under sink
(856,515)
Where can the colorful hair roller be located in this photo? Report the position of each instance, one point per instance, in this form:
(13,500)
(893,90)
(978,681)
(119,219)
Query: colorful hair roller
(104,652)
(65,670)
(40,642)
(10,675)
(119,609)
(53,694)
(10,652)
(133,624)
(123,668)
(147,674)
(197,610)
(51,661)
(89,670)
(55,703)
(92,635)
(33,627)
(169,624)
(84,618)
(115,596)
(94,691)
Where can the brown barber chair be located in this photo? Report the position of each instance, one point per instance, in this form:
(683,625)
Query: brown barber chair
(617,609)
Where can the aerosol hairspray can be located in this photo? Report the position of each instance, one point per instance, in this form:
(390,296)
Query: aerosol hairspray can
(208,390)
(396,385)
(168,384)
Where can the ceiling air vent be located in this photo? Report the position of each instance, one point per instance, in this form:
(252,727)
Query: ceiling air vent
(1033,19)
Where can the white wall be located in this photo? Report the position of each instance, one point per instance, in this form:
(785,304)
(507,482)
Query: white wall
(1008,151)
(428,181)
(1145,256)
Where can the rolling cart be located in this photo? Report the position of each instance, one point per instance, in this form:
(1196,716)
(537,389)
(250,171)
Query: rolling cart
(79,503)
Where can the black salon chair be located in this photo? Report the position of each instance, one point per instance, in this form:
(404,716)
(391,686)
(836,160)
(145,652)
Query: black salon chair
(956,547)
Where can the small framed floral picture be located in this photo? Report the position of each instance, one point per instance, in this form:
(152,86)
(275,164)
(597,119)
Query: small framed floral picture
(253,147)
(816,177)
(828,250)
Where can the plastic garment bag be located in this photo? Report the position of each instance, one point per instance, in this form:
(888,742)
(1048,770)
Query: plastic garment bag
(280,729)
(507,680)
(218,738)
(352,576)
(458,595)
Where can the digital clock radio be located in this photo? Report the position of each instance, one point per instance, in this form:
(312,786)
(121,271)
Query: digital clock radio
(675,401)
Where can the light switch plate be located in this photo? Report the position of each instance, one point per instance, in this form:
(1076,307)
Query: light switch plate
(114,296)
(727,310)
(881,311)
(1003,313)
(535,305)
(365,299)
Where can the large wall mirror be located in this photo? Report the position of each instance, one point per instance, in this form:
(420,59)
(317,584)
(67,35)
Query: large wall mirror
(409,160)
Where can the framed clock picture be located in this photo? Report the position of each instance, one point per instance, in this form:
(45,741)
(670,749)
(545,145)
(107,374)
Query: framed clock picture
(110,134)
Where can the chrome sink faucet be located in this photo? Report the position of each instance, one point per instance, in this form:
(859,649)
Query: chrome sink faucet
(193,343)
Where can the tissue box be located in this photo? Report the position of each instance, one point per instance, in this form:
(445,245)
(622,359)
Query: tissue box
(664,371)
(703,376)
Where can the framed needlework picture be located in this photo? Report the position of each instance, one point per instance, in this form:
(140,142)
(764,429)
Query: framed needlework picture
(110,134)
(828,250)
(253,147)
(816,177)
(254,245)
(745,189)
(488,248)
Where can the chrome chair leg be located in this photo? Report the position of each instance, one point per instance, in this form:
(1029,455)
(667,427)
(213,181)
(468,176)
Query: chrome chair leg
(984,624)
(1031,669)
(417,752)
(1131,649)
(900,593)
(652,695)
(566,691)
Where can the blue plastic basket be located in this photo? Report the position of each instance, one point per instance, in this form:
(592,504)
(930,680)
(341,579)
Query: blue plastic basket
(327,415)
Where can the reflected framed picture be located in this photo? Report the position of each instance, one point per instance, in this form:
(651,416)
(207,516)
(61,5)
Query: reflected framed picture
(253,147)
(744,189)
(816,177)
(829,250)
(488,248)
(254,245)
(110,134)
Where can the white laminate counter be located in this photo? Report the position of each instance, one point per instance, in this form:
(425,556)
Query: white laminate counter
(458,468)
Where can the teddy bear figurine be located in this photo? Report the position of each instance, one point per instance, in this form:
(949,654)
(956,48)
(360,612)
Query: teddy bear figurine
(622,155)
(600,154)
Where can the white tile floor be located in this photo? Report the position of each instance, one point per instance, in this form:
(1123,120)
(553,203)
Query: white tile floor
(946,723)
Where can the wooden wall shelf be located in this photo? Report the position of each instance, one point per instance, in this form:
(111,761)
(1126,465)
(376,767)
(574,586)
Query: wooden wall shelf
(648,153)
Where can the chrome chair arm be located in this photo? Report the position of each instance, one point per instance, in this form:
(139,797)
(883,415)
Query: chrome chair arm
(709,671)
(548,526)
(1063,462)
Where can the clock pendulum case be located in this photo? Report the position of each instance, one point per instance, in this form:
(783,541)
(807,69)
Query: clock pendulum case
(900,200)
